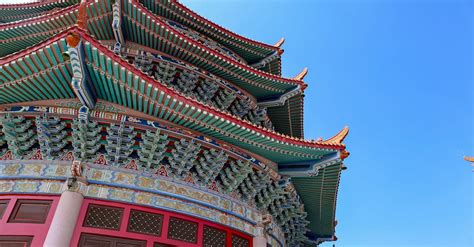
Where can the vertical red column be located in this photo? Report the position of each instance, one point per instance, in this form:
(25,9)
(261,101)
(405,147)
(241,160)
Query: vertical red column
(166,222)
(200,234)
(125,217)
(229,239)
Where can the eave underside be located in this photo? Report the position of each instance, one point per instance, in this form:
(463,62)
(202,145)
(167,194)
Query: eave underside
(251,51)
(288,118)
(319,195)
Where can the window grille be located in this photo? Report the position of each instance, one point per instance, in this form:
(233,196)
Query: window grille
(99,216)
(182,230)
(214,237)
(144,222)
(239,241)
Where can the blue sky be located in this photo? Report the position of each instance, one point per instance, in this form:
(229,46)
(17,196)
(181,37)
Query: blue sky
(399,74)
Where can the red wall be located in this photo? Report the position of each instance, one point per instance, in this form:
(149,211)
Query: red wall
(38,231)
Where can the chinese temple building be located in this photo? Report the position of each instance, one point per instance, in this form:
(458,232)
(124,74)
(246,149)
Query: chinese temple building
(140,123)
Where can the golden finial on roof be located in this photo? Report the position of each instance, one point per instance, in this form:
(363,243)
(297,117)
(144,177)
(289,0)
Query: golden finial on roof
(338,138)
(279,43)
(301,75)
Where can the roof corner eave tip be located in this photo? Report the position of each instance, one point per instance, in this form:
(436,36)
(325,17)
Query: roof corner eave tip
(300,76)
(470,159)
(222,29)
(338,138)
(279,43)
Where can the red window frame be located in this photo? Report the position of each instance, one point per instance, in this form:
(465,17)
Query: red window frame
(17,209)
(3,206)
(151,239)
(38,231)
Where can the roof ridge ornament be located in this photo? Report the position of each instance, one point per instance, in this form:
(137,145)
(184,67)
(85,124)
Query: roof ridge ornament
(82,16)
(338,138)
(279,43)
(73,38)
(301,75)
(470,159)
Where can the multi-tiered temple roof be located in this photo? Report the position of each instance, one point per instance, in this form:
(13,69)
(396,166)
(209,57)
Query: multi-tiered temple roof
(164,90)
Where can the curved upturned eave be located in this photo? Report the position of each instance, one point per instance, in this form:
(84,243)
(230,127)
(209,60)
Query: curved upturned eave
(238,67)
(30,10)
(210,109)
(25,5)
(14,56)
(36,74)
(241,66)
(253,130)
(224,30)
(20,35)
(214,29)
(29,21)
(153,51)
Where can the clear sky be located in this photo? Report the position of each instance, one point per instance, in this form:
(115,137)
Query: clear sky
(400,75)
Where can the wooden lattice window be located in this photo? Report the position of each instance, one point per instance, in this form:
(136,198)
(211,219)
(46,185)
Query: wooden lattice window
(92,240)
(239,241)
(144,222)
(182,230)
(214,237)
(99,216)
(30,211)
(15,241)
(3,207)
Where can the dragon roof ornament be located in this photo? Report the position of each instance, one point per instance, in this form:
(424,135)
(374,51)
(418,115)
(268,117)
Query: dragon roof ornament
(338,138)
(280,42)
(301,75)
